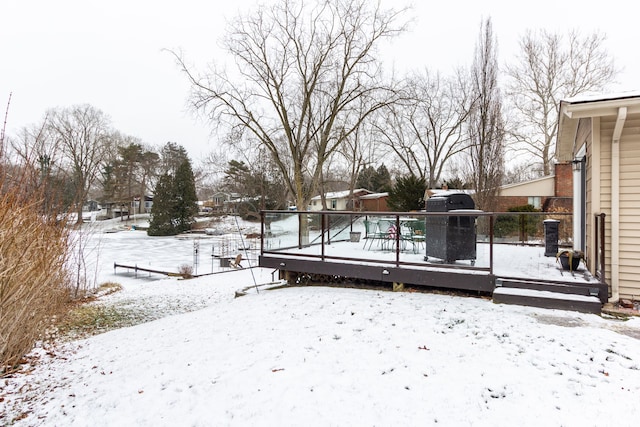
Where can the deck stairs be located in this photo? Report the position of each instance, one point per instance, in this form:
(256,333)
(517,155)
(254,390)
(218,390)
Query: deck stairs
(581,297)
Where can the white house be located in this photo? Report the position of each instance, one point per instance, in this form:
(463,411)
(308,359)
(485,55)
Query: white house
(340,200)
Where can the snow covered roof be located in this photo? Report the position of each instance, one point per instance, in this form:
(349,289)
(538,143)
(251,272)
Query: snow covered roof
(373,196)
(342,194)
(593,97)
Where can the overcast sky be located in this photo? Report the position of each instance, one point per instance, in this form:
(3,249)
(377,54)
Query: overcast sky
(110,53)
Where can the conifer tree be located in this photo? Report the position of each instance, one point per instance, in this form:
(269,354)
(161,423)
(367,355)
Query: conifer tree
(162,211)
(407,194)
(186,202)
(175,202)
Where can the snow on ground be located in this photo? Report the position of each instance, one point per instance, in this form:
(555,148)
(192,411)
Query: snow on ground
(320,356)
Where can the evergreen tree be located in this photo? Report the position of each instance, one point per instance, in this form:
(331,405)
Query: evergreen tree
(174,202)
(162,211)
(407,194)
(172,156)
(186,199)
(382,179)
(376,180)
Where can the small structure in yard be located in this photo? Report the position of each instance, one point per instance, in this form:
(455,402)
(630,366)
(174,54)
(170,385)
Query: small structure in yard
(374,202)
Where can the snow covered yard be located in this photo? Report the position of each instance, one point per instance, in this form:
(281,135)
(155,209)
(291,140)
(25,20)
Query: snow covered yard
(325,356)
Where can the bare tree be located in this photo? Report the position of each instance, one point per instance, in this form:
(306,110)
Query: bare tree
(549,68)
(303,71)
(427,129)
(353,151)
(82,132)
(34,146)
(2,131)
(36,151)
(486,126)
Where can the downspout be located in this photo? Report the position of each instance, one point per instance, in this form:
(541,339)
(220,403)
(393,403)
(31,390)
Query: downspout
(615,205)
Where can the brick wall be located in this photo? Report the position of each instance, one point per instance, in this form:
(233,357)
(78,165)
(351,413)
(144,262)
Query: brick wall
(564,180)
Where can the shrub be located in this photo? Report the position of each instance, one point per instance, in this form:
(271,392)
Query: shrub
(186,271)
(407,194)
(33,277)
(524,226)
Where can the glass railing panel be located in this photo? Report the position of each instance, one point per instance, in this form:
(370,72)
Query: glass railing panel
(281,230)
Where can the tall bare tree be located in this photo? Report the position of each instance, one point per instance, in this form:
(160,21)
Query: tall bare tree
(82,132)
(427,129)
(304,69)
(35,147)
(551,67)
(486,125)
(353,153)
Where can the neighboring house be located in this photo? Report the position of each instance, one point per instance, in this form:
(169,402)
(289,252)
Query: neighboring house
(217,201)
(553,193)
(374,202)
(340,200)
(109,210)
(601,136)
(148,203)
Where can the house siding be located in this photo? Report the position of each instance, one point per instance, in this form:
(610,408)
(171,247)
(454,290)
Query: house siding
(630,209)
(629,203)
(606,125)
(589,122)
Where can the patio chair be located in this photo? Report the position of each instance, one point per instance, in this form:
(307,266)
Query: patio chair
(235,263)
(388,233)
(371,232)
(418,236)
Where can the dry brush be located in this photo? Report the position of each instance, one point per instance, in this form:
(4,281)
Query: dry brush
(33,275)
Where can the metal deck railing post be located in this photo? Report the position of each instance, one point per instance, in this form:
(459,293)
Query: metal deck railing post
(262,239)
(397,237)
(491,217)
(323,229)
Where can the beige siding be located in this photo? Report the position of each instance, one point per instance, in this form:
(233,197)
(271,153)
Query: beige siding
(589,221)
(543,187)
(630,209)
(606,132)
(573,131)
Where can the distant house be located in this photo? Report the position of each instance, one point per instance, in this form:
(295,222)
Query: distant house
(600,135)
(340,200)
(109,210)
(551,193)
(217,202)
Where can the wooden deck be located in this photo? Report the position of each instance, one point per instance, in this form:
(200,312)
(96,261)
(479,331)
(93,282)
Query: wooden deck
(568,295)
(510,273)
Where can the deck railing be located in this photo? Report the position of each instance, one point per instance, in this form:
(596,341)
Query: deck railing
(599,245)
(313,234)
